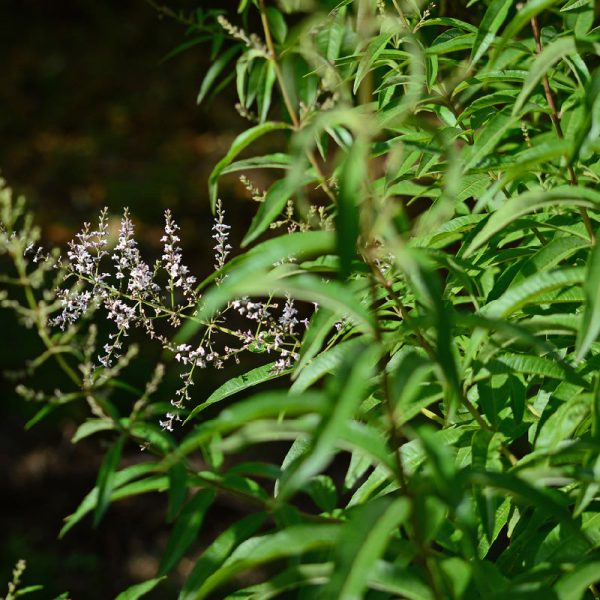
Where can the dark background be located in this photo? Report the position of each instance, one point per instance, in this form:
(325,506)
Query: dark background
(90,116)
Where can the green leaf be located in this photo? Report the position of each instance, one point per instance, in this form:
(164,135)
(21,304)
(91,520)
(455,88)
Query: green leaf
(488,138)
(277,160)
(265,92)
(590,324)
(324,363)
(216,68)
(549,256)
(561,546)
(261,406)
(337,297)
(352,177)
(323,492)
(361,543)
(277,24)
(573,585)
(186,529)
(242,141)
(217,552)
(521,18)
(317,331)
(350,388)
(573,4)
(533,288)
(106,478)
(275,201)
(238,384)
(140,589)
(550,55)
(177,489)
(492,21)
(562,423)
(374,49)
(529,202)
(90,427)
(122,489)
(291,541)
(294,246)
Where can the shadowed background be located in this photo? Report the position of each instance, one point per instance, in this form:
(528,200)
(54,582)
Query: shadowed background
(90,116)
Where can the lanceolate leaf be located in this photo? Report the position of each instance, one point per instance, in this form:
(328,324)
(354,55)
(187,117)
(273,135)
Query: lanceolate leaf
(352,177)
(294,246)
(492,21)
(349,390)
(529,202)
(276,199)
(238,384)
(335,296)
(572,585)
(186,529)
(292,541)
(155,483)
(521,18)
(241,142)
(550,55)
(488,139)
(590,325)
(531,289)
(362,542)
(216,554)
(106,478)
(216,68)
(139,590)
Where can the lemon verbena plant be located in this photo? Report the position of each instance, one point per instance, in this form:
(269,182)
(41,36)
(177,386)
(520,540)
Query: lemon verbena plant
(422,277)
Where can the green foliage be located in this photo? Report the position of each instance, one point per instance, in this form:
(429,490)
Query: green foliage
(441,415)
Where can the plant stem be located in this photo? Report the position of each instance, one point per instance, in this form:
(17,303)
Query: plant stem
(287,99)
(554,116)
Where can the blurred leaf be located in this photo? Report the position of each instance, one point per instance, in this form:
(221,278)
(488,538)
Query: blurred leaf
(177,489)
(122,489)
(186,529)
(521,18)
(590,324)
(550,55)
(361,543)
(291,541)
(216,68)
(218,551)
(350,389)
(90,427)
(141,589)
(488,139)
(275,201)
(242,141)
(493,19)
(351,177)
(573,585)
(106,478)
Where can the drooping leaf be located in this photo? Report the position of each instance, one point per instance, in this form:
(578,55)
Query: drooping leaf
(140,589)
(550,55)
(291,541)
(106,478)
(361,543)
(218,551)
(492,20)
(590,324)
(242,141)
(186,529)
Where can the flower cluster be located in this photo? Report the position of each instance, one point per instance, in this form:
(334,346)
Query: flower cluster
(114,278)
